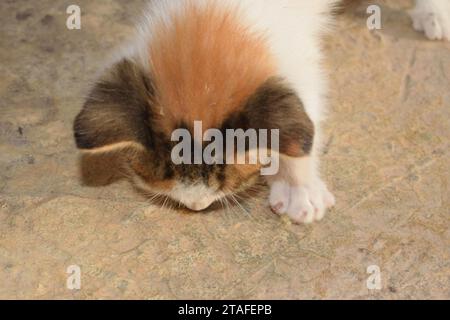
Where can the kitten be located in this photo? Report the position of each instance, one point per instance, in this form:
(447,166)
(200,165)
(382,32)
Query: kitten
(232,64)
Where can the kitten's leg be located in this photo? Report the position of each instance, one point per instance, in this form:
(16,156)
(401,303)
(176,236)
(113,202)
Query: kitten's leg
(432,17)
(297,190)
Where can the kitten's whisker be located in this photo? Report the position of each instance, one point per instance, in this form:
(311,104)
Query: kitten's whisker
(228,193)
(224,205)
(235,207)
(240,206)
(155,197)
(165,201)
(229,208)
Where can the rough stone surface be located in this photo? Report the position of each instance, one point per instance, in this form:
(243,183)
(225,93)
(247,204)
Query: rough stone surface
(387,161)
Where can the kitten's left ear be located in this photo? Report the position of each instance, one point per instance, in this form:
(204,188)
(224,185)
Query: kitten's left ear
(117,113)
(276,106)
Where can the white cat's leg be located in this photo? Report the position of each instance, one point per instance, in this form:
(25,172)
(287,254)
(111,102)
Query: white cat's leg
(298,191)
(433,18)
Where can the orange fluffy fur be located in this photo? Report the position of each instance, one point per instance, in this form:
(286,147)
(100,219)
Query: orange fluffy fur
(205,65)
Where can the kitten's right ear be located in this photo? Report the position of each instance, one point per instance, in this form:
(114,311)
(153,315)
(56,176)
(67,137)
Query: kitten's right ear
(117,113)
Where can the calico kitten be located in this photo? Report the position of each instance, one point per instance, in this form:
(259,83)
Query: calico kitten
(232,64)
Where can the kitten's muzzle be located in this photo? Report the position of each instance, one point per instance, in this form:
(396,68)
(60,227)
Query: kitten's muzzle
(199,205)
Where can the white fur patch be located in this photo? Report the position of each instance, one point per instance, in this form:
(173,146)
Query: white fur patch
(433,18)
(196,197)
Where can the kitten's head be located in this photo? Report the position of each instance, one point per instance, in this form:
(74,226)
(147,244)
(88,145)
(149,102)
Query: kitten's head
(201,63)
(122,115)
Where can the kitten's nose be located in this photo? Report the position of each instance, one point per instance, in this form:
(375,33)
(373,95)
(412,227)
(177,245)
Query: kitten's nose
(199,205)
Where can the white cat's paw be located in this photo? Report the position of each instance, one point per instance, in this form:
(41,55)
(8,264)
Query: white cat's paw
(433,22)
(303,203)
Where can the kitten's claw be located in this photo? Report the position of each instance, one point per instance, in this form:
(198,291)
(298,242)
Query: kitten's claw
(304,203)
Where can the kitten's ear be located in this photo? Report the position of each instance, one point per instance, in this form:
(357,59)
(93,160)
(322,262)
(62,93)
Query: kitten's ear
(276,106)
(117,112)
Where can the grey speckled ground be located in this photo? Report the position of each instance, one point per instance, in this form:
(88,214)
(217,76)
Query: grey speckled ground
(387,162)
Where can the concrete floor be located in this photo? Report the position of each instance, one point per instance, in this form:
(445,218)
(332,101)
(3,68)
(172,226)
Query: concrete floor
(387,161)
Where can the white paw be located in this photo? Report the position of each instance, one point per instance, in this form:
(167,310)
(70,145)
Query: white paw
(303,203)
(431,20)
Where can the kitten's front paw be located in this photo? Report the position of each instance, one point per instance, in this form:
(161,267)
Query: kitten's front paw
(304,203)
